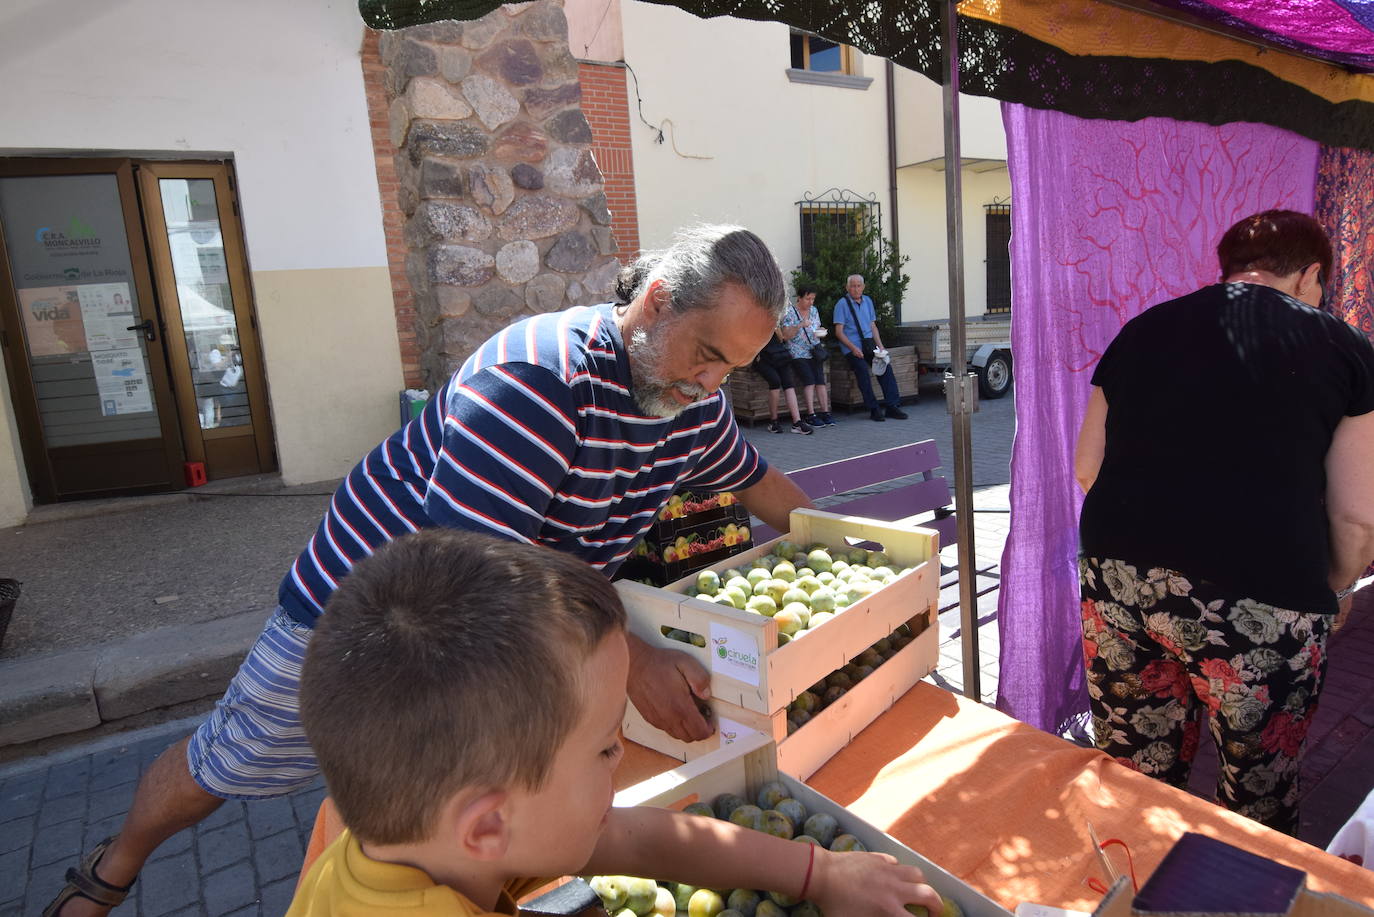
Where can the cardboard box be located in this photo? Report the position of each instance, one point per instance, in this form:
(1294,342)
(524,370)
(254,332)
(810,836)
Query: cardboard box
(691,532)
(753,680)
(743,768)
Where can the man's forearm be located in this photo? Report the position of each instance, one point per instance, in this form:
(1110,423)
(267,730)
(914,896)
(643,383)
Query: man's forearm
(844,339)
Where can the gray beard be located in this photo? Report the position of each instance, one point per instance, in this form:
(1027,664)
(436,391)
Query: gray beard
(651,391)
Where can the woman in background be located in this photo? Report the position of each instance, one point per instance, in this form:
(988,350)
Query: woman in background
(1227,454)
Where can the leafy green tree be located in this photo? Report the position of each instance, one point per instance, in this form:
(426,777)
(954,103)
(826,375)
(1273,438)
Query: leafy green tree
(844,248)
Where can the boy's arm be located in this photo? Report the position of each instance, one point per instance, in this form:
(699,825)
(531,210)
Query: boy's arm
(710,853)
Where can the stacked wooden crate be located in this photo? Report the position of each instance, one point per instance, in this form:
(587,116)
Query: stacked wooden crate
(753,679)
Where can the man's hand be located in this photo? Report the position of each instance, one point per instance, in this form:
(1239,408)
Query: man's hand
(868,885)
(665,686)
(1343,612)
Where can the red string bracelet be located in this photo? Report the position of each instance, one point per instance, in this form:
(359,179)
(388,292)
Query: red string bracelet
(809,863)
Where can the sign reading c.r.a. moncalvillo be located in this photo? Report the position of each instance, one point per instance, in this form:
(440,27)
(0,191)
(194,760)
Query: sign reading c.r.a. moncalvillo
(734,653)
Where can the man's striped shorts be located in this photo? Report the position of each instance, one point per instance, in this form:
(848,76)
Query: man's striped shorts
(252,746)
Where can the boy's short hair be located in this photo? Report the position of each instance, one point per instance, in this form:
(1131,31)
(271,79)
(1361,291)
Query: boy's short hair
(447,660)
(1279,242)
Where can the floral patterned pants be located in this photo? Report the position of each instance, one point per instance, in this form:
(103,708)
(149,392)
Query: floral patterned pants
(1160,648)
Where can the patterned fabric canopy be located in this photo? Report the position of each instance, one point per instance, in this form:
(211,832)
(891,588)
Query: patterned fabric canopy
(1340,31)
(1088,58)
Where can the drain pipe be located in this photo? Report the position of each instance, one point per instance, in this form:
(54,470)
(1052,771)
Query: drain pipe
(891,73)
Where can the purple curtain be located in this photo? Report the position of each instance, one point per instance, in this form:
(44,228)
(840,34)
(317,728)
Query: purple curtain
(1108,217)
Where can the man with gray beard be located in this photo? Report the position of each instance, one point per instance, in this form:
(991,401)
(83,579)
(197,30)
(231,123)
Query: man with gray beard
(569,430)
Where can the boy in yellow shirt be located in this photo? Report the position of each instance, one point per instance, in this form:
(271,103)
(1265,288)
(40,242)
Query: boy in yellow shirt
(464,697)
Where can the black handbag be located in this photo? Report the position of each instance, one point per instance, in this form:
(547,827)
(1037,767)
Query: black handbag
(819,351)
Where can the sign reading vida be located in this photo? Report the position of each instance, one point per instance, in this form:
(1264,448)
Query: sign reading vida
(734,653)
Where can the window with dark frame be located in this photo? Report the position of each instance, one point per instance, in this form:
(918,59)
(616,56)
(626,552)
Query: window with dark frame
(999,258)
(846,217)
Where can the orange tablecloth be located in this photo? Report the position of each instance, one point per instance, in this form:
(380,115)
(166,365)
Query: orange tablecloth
(1005,807)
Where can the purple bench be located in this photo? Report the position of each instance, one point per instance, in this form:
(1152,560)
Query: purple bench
(930,494)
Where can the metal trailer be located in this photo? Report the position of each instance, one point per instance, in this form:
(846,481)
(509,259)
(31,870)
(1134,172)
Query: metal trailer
(987,350)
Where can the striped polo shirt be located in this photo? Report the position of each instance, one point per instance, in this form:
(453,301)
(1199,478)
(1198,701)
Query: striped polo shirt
(535,438)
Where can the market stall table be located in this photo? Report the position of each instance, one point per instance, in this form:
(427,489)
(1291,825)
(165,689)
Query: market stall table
(1006,807)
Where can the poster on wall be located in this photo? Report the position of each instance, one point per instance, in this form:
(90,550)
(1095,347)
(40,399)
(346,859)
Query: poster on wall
(53,321)
(107,311)
(122,382)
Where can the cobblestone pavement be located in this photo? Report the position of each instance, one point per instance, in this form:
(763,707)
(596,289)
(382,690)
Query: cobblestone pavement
(244,859)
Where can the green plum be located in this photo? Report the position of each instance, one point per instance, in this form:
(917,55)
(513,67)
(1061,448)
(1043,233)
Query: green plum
(847,843)
(832,694)
(784,570)
(665,905)
(806,701)
(950,908)
(819,560)
(782,900)
(884,645)
(748,816)
(796,595)
(807,839)
(744,900)
(708,582)
(818,618)
(762,604)
(739,581)
(863,671)
(777,588)
(808,584)
(792,809)
(790,619)
(682,894)
(799,718)
(771,793)
(786,548)
(858,556)
(625,912)
(738,597)
(611,890)
(783,639)
(726,803)
(823,827)
(697,640)
(839,679)
(705,903)
(823,599)
(778,824)
(806,909)
(869,657)
(699,808)
(878,559)
(640,895)
(757,575)
(769,908)
(825,577)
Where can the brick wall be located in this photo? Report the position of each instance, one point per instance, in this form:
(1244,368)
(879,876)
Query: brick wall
(393,219)
(605,104)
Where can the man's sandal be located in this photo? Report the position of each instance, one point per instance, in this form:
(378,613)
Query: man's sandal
(83,882)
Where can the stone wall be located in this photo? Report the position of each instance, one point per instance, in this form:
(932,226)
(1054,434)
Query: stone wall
(506,208)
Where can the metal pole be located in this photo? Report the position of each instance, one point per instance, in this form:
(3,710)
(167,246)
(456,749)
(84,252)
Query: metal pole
(961,392)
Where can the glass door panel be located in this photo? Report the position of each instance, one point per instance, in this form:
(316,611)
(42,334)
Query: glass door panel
(206,301)
(89,379)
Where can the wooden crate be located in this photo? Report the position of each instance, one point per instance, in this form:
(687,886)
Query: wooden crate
(806,750)
(743,768)
(844,391)
(748,395)
(931,338)
(753,680)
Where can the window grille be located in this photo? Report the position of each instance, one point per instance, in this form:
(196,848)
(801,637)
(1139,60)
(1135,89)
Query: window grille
(999,257)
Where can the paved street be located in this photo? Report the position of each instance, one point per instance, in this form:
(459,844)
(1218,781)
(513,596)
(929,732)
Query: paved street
(244,859)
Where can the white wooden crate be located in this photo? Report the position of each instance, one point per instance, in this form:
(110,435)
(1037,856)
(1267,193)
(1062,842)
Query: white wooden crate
(802,753)
(743,768)
(753,680)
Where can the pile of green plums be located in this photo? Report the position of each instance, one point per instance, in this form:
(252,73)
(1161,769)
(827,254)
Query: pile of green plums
(799,588)
(773,811)
(831,688)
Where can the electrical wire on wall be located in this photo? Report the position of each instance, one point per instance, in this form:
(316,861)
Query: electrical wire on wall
(667,122)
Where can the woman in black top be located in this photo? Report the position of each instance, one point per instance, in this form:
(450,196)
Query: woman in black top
(1227,454)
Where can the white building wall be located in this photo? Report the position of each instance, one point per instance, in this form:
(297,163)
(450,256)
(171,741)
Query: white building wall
(741,143)
(277,86)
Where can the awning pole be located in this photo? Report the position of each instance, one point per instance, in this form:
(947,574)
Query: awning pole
(961,390)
